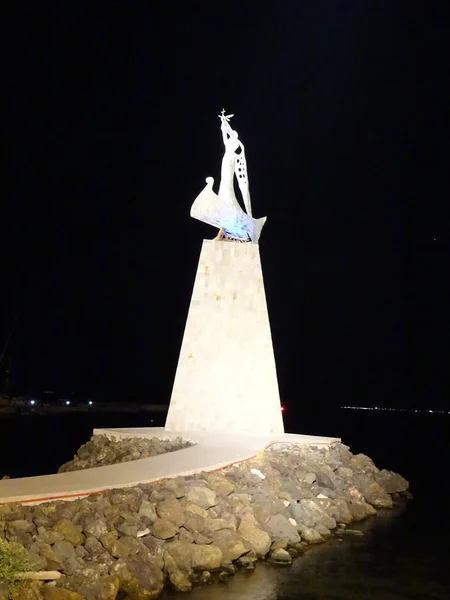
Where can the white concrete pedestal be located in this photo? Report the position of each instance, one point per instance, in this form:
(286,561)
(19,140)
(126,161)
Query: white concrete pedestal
(226,378)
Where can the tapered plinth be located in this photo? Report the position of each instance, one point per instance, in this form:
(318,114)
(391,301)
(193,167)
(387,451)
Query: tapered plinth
(226,378)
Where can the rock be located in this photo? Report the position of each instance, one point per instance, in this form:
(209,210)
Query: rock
(81,552)
(316,514)
(147,510)
(108,539)
(281,543)
(179,579)
(310,478)
(301,515)
(164,529)
(341,512)
(37,562)
(31,591)
(280,528)
(206,537)
(53,563)
(139,580)
(310,535)
(324,480)
(63,551)
(371,490)
(99,587)
(49,537)
(345,472)
(280,556)
(231,544)
(205,557)
(259,540)
(219,484)
(96,528)
(247,561)
(185,536)
(391,482)
(125,547)
(350,532)
(56,593)
(262,514)
(72,533)
(322,530)
(228,522)
(195,523)
(20,526)
(171,510)
(377,496)
(181,553)
(360,462)
(128,529)
(359,510)
(201,496)
(193,509)
(155,548)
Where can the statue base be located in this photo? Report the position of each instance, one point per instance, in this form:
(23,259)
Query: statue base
(226,377)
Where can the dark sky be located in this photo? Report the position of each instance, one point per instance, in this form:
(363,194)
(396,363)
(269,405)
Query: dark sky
(111,127)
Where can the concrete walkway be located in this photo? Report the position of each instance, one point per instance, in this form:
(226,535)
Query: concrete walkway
(212,452)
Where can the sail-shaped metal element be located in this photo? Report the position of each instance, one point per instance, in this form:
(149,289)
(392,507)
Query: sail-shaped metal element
(223,210)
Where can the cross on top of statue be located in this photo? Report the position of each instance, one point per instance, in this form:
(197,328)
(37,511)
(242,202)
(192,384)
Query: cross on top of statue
(223,116)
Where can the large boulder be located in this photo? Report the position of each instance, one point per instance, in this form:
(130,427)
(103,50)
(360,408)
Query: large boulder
(56,593)
(72,533)
(308,512)
(280,556)
(281,528)
(372,491)
(96,527)
(181,552)
(310,535)
(219,484)
(95,586)
(232,545)
(360,510)
(147,511)
(391,482)
(360,462)
(258,539)
(205,557)
(171,510)
(195,523)
(202,496)
(179,579)
(164,529)
(141,581)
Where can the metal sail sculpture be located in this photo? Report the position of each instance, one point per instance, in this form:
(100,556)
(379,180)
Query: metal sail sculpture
(222,210)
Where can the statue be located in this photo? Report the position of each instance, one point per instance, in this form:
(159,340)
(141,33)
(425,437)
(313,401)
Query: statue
(222,210)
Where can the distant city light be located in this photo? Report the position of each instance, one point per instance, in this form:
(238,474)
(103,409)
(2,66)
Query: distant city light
(90,402)
(32,402)
(414,410)
(67,402)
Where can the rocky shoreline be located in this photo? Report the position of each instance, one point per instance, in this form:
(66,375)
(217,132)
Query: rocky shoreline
(130,543)
(101,451)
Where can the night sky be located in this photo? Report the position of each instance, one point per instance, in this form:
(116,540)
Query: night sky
(111,128)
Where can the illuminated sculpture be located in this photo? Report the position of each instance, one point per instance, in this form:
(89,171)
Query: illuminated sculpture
(222,210)
(226,379)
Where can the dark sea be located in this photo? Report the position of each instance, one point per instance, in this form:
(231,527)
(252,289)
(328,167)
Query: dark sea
(403,555)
